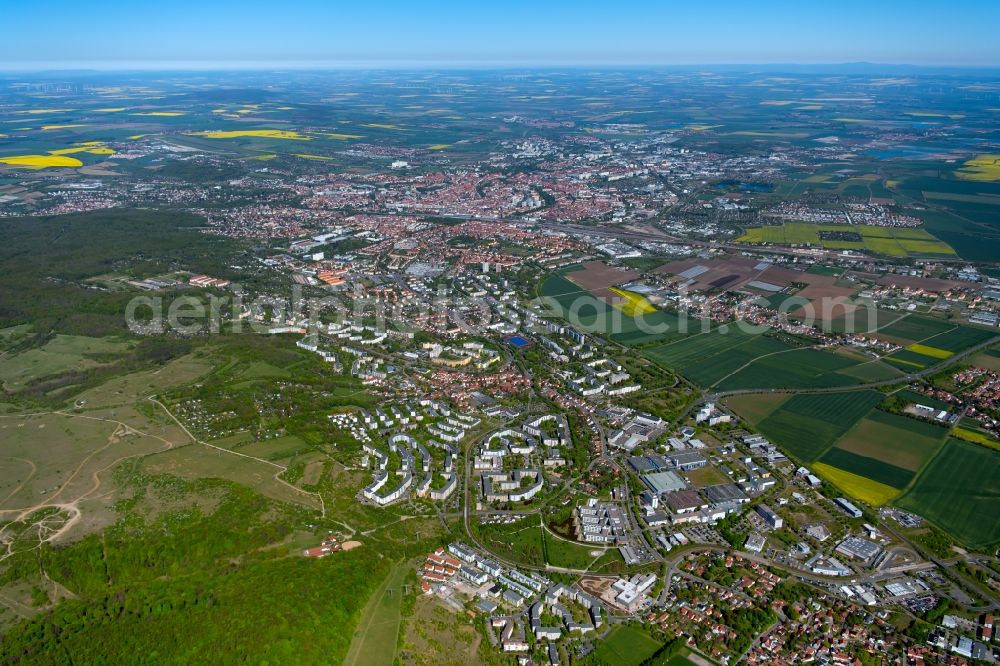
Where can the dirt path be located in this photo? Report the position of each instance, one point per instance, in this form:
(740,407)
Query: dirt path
(71,507)
(34,468)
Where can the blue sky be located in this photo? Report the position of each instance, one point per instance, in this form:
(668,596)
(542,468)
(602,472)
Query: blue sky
(154,33)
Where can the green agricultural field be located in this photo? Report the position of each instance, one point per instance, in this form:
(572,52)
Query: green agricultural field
(913,328)
(867,319)
(890,241)
(960,338)
(581,309)
(755,407)
(808,424)
(909,361)
(989,359)
(901,442)
(872,371)
(797,368)
(868,467)
(710,357)
(960,492)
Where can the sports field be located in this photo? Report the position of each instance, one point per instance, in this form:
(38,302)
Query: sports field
(626,645)
(808,424)
(960,492)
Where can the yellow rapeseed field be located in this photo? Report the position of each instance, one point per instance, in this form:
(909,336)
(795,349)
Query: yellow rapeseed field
(634,304)
(36,112)
(41,161)
(859,487)
(265,133)
(58,158)
(933,352)
(983,168)
(976,438)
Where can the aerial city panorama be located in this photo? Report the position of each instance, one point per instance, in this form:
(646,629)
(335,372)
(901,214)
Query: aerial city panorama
(487,334)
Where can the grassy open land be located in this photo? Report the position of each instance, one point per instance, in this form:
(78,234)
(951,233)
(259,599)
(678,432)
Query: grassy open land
(136,386)
(196,461)
(61,353)
(62,458)
(807,425)
(890,241)
(755,407)
(958,491)
(626,645)
(860,487)
(374,641)
(437,636)
(666,403)
(892,439)
(705,476)
(526,541)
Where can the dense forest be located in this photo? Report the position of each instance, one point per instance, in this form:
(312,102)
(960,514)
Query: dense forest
(44,260)
(188,584)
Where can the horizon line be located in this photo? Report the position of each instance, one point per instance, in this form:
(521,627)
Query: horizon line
(111,66)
